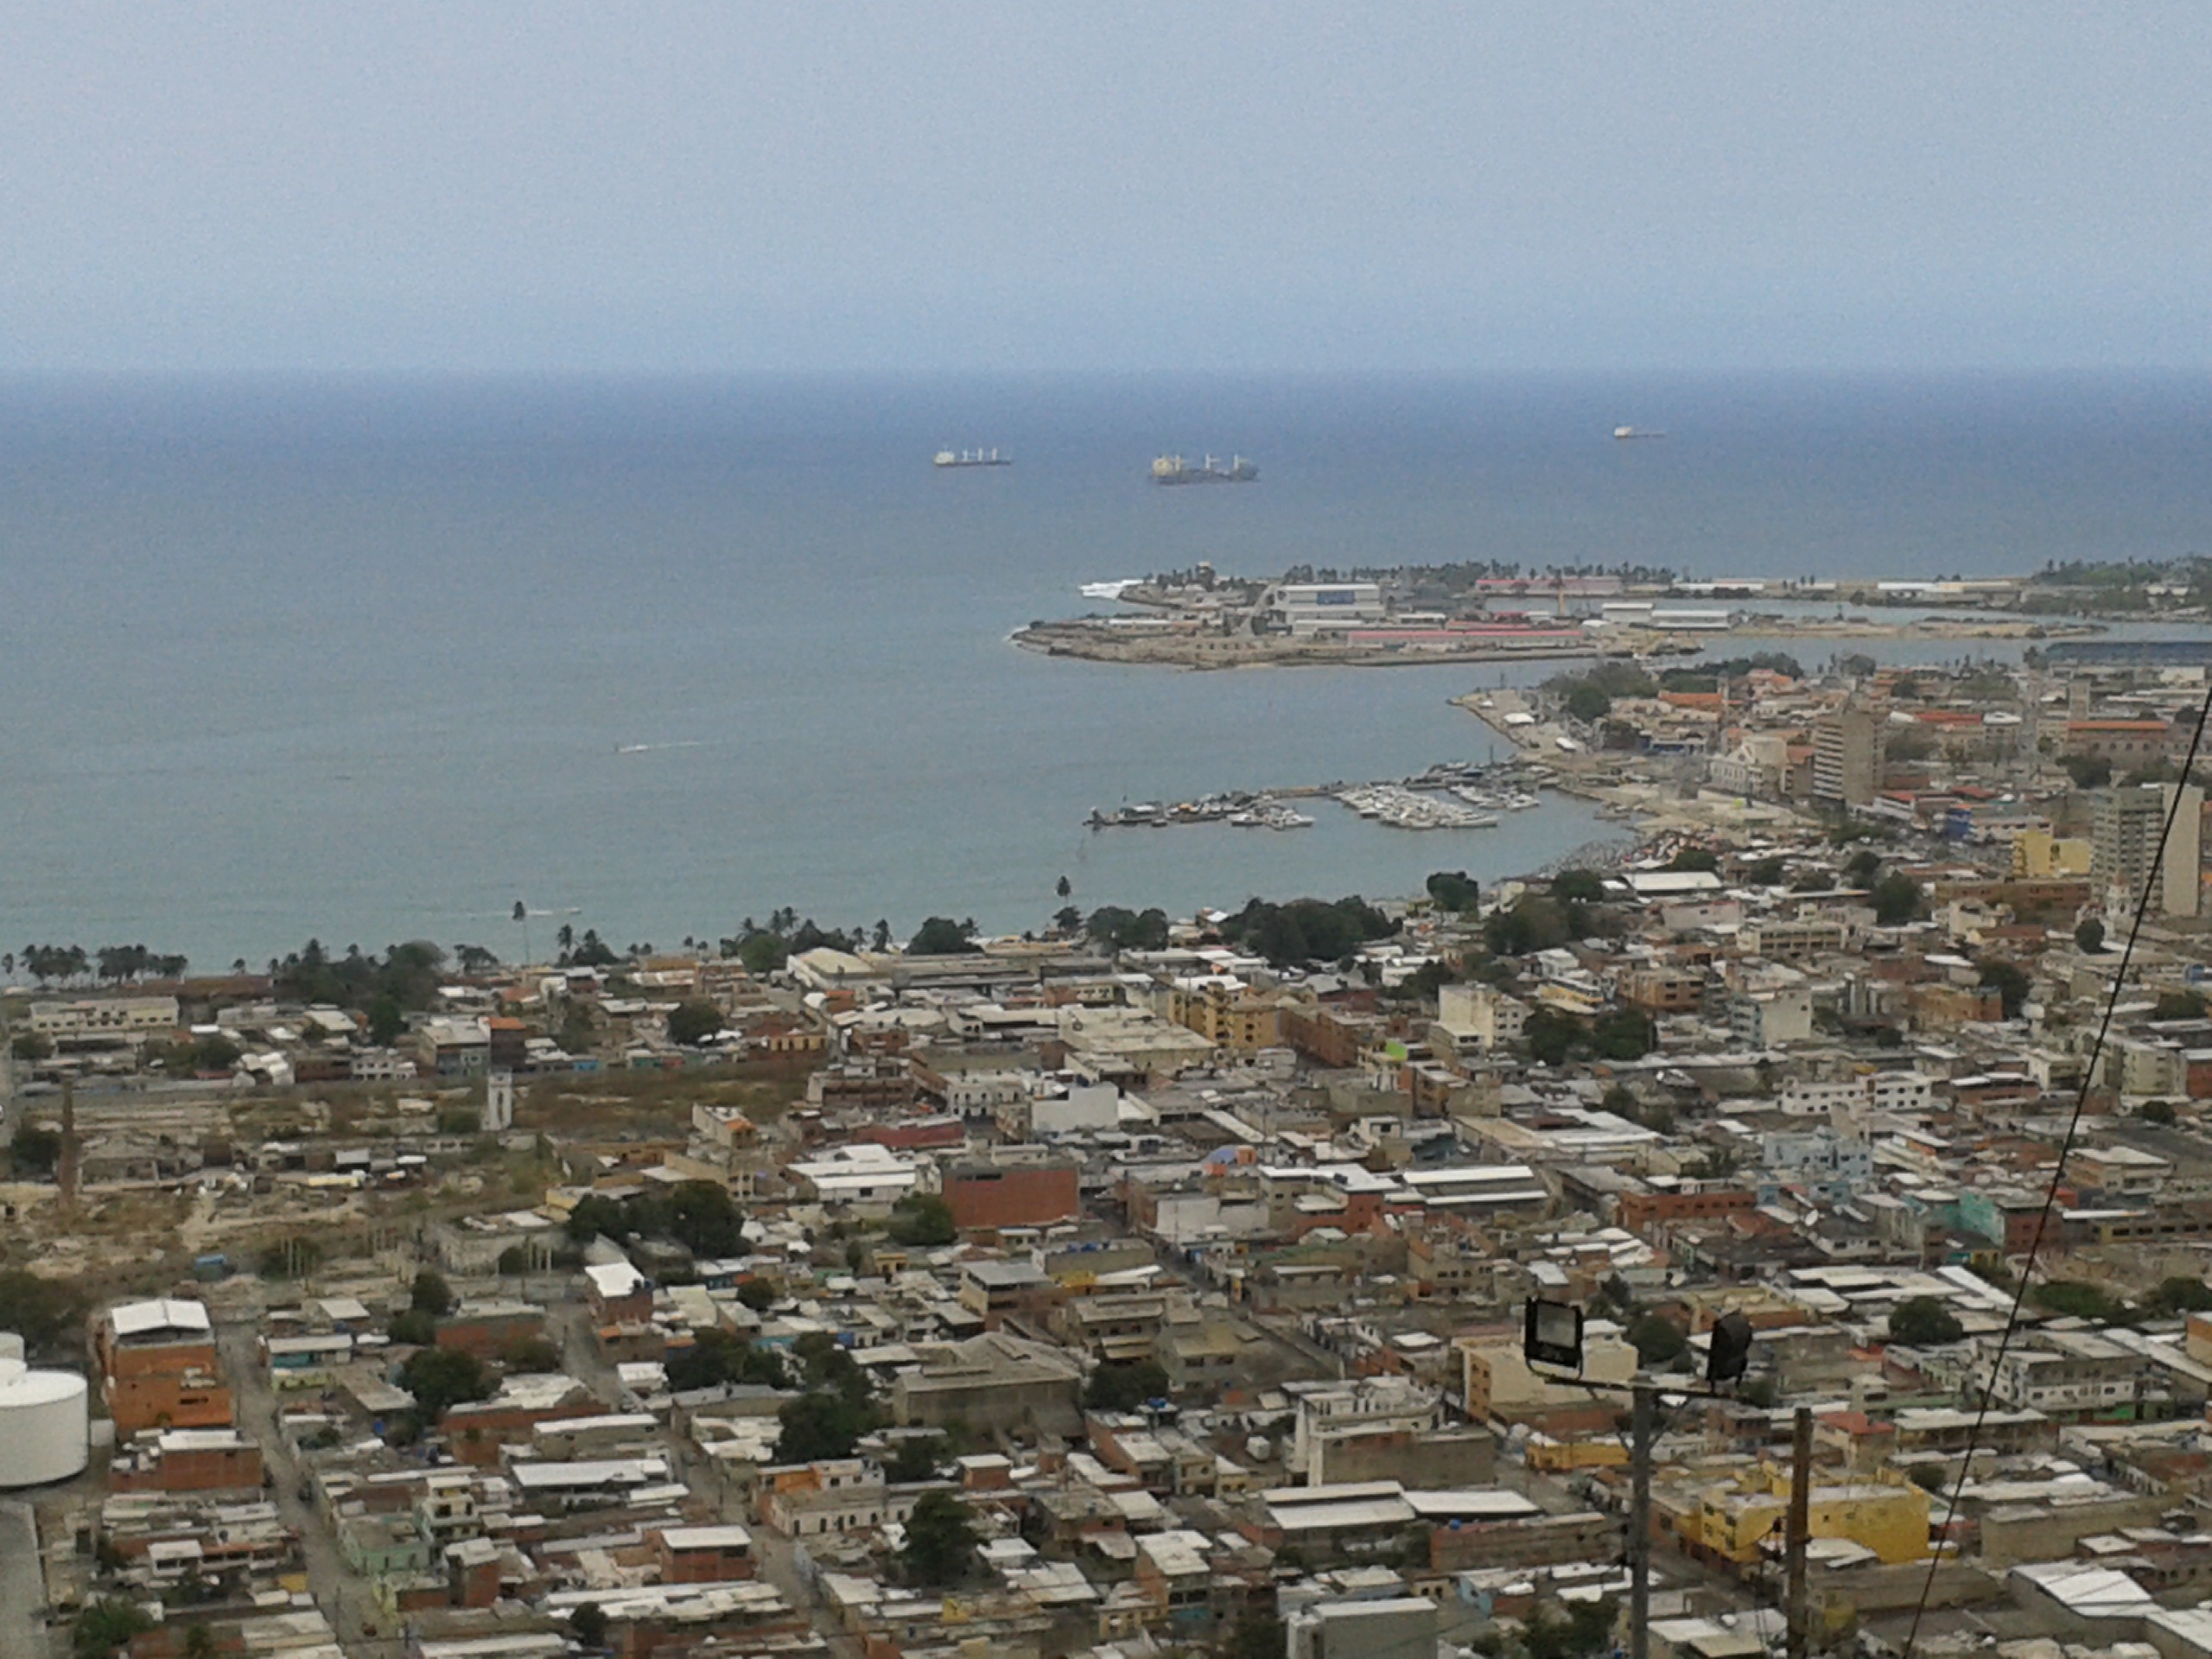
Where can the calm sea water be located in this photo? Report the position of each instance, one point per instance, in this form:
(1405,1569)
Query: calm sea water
(356,658)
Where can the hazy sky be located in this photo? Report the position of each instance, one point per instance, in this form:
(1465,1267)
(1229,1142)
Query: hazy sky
(1062,185)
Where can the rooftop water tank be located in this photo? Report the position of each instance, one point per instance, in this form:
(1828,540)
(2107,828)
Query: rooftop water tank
(44,1416)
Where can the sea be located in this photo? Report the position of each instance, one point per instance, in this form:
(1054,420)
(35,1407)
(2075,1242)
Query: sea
(377,659)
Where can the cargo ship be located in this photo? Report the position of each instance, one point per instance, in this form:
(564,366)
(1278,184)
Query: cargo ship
(1625,433)
(1174,469)
(972,458)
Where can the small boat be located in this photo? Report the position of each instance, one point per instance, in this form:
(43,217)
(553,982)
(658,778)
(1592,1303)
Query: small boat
(971,458)
(1624,433)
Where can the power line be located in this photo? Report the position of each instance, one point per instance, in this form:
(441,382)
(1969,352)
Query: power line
(2150,881)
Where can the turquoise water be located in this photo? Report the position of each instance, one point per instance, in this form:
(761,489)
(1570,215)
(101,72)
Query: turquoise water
(356,658)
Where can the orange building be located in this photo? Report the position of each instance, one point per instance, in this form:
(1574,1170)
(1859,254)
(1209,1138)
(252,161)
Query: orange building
(158,1368)
(985,1196)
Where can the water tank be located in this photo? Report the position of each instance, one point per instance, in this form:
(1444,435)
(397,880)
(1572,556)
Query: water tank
(44,1420)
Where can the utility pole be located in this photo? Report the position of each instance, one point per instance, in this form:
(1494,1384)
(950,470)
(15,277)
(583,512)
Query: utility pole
(1801,1495)
(1644,1430)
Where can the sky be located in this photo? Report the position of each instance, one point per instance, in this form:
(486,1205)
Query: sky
(1009,187)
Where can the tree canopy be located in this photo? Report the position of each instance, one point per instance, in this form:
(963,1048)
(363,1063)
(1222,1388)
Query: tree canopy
(1923,1322)
(1118,929)
(1306,929)
(1125,1386)
(40,1311)
(923,1220)
(1897,900)
(940,1539)
(441,1378)
(940,936)
(1454,890)
(691,1023)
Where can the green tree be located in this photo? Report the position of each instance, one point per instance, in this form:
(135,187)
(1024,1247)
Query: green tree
(1118,929)
(106,1625)
(691,1023)
(431,1294)
(917,1458)
(1067,919)
(200,1643)
(1623,1034)
(822,1424)
(2009,980)
(530,1355)
(1897,900)
(1767,873)
(2178,1005)
(1257,1634)
(34,1151)
(32,1046)
(1923,1322)
(40,1311)
(2160,1112)
(387,1020)
(414,1327)
(1659,1340)
(758,1294)
(763,953)
(923,1220)
(2078,1299)
(1588,704)
(1551,1036)
(1306,929)
(1125,1386)
(940,1541)
(1695,859)
(701,1217)
(940,936)
(442,1378)
(588,1621)
(514,1260)
(1454,890)
(1585,886)
(2089,935)
(2182,1293)
(1530,922)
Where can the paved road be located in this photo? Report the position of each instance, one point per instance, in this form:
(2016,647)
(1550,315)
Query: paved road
(344,1598)
(23,1633)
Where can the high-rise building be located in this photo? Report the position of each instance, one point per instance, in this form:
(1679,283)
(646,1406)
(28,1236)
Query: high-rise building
(2124,839)
(1846,756)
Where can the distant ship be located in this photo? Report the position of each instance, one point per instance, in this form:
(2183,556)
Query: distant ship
(973,458)
(1174,469)
(1635,432)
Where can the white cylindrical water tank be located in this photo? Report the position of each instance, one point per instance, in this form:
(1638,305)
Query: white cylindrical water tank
(43,1419)
(11,1345)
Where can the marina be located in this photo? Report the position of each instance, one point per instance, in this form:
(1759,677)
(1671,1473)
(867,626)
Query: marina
(1450,794)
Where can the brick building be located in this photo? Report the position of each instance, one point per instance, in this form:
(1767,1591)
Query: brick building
(986,1197)
(158,1368)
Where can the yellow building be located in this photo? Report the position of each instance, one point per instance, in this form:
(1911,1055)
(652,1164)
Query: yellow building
(1496,1381)
(1240,1019)
(1564,1457)
(1888,1516)
(2039,855)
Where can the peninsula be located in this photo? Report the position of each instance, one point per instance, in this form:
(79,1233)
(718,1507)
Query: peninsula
(1489,612)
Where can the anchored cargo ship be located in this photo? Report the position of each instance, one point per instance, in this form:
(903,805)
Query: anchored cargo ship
(972,458)
(1174,469)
